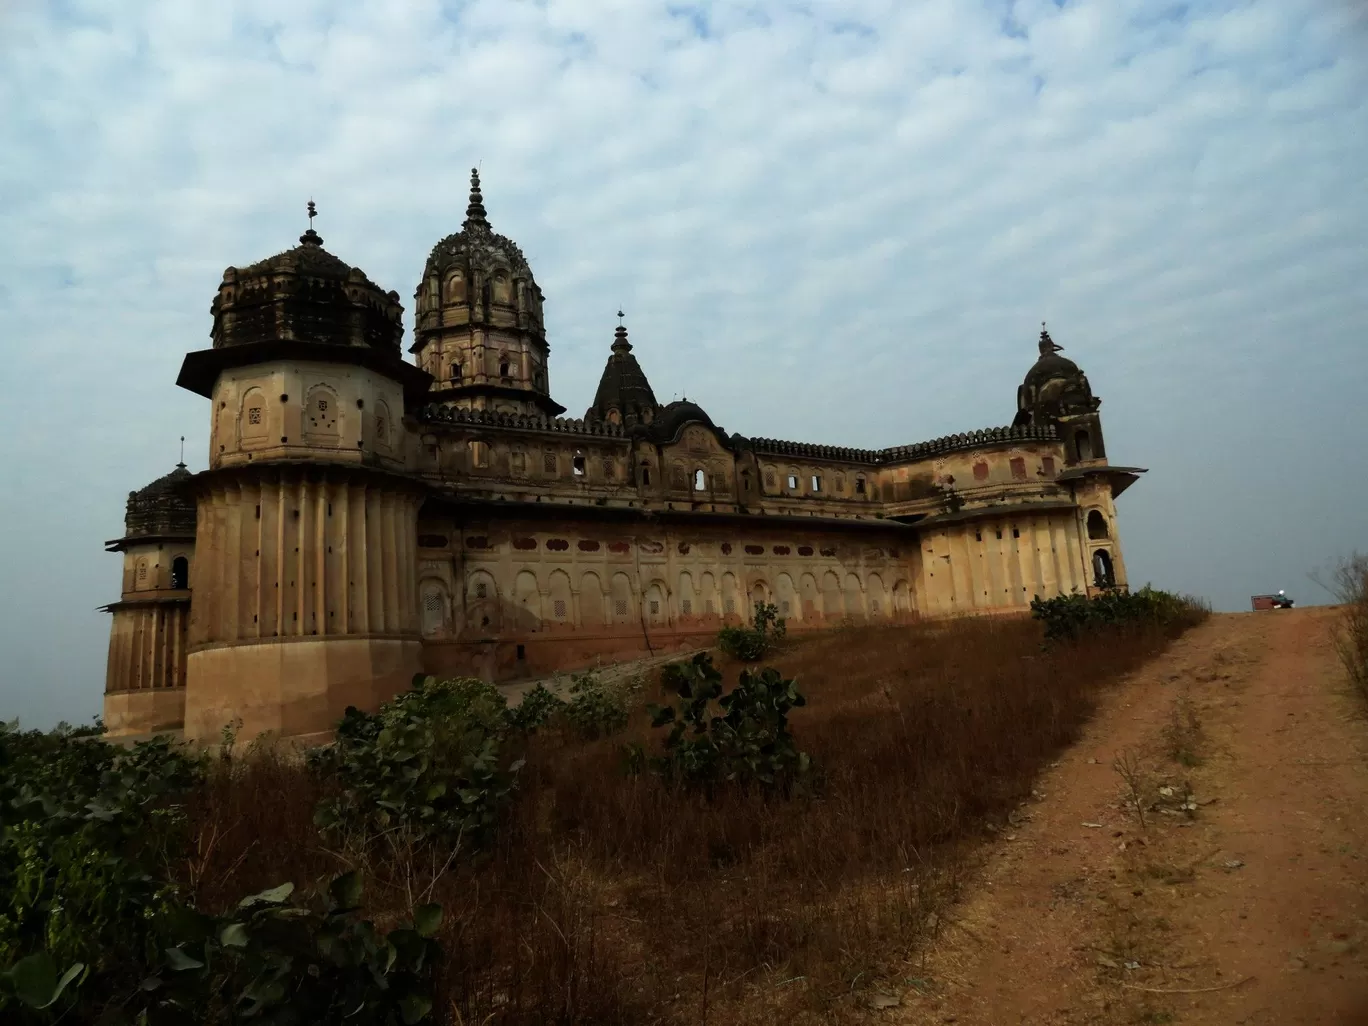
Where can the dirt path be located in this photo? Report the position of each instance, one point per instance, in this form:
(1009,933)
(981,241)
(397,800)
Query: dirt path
(1249,908)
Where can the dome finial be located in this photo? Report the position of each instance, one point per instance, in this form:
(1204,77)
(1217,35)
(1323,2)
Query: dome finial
(620,343)
(475,212)
(181,464)
(1047,344)
(311,238)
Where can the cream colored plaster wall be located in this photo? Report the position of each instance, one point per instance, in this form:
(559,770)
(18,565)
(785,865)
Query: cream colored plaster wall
(514,579)
(318,411)
(147,565)
(147,647)
(1094,496)
(297,687)
(287,553)
(999,564)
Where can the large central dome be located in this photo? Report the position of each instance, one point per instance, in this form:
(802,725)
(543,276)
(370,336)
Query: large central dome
(478,327)
(476,246)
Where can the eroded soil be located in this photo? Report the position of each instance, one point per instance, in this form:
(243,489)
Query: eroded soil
(1242,896)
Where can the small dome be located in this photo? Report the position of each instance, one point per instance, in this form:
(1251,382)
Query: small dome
(672,418)
(305,294)
(1054,386)
(1050,365)
(476,246)
(164,507)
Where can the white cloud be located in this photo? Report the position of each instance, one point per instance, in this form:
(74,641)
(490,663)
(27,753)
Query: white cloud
(834,221)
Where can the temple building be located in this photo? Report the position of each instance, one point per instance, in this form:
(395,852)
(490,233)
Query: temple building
(364,518)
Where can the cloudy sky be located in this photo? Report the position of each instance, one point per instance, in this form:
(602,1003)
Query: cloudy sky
(838,221)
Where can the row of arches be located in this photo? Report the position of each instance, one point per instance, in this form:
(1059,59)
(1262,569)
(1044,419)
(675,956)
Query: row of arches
(595,600)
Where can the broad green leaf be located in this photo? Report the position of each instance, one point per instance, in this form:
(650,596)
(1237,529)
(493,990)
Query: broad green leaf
(234,935)
(427,919)
(274,896)
(414,1008)
(179,960)
(35,979)
(345,890)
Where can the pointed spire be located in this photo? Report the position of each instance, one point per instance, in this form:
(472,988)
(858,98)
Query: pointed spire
(311,237)
(620,343)
(1047,344)
(475,212)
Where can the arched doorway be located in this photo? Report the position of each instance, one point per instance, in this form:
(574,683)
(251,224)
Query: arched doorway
(1097,525)
(1103,574)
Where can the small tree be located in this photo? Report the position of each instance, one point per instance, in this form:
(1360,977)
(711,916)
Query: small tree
(753,643)
(740,737)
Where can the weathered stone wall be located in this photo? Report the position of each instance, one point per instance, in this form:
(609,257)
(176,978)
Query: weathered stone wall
(282,410)
(508,595)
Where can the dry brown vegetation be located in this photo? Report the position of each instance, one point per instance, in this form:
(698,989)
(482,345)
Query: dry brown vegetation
(1350,586)
(607,898)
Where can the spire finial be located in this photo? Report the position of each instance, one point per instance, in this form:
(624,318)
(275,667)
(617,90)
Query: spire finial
(1047,344)
(310,237)
(475,212)
(181,464)
(620,343)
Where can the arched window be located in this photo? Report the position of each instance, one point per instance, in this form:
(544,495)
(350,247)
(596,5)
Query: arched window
(745,480)
(503,367)
(1097,525)
(479,453)
(700,481)
(180,573)
(645,473)
(456,373)
(1103,574)
(1084,442)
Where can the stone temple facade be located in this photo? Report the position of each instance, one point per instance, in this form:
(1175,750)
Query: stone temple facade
(364,518)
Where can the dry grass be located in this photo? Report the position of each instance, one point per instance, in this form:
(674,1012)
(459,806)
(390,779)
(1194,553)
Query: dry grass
(1350,586)
(607,899)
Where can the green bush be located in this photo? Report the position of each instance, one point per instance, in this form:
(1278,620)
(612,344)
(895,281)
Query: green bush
(1068,617)
(435,761)
(92,928)
(753,643)
(739,737)
(537,708)
(595,709)
(276,961)
(86,830)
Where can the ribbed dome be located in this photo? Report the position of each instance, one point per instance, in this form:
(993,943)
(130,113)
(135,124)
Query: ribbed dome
(623,387)
(476,246)
(305,294)
(164,507)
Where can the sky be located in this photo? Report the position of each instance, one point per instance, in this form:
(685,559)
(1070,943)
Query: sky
(836,221)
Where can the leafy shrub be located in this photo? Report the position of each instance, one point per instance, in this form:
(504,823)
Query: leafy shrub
(1067,617)
(595,709)
(86,829)
(277,961)
(537,708)
(434,761)
(753,643)
(747,742)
